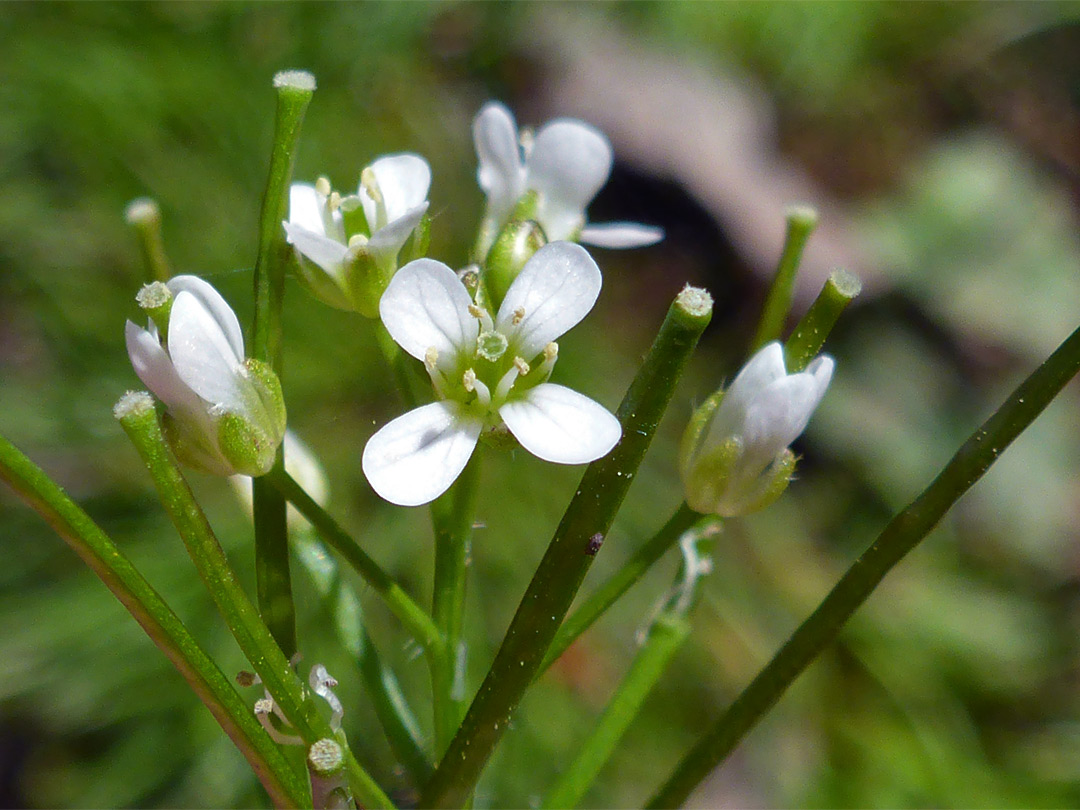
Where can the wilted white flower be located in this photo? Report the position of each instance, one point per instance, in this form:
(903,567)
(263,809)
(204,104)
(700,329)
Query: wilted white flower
(224,414)
(488,372)
(735,457)
(349,246)
(565,164)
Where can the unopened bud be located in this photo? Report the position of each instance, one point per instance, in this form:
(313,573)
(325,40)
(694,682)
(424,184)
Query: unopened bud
(515,245)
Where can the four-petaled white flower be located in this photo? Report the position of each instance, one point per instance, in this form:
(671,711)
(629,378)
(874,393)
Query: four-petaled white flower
(566,164)
(735,457)
(225,414)
(488,372)
(329,231)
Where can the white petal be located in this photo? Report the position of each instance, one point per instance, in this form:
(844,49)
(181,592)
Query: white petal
(562,426)
(570,161)
(215,305)
(202,356)
(426,305)
(325,252)
(305,208)
(501,173)
(821,369)
(621,235)
(403,180)
(415,458)
(385,243)
(765,367)
(556,289)
(156,371)
(777,416)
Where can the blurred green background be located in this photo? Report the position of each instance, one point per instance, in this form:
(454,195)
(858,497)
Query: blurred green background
(941,143)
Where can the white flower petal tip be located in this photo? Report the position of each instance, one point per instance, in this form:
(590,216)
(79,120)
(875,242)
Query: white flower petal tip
(554,291)
(427,307)
(415,458)
(566,164)
(619,235)
(735,459)
(562,426)
(224,414)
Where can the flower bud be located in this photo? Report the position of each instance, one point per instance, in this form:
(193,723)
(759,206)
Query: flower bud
(734,457)
(516,244)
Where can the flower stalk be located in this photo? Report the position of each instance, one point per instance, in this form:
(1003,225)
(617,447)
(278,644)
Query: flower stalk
(809,334)
(273,578)
(801,221)
(144,216)
(905,531)
(284,784)
(567,560)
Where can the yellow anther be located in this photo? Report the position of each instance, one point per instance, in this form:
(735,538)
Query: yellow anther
(431,358)
(468,379)
(521,366)
(551,351)
(322,186)
(334,201)
(519,316)
(370,184)
(477,312)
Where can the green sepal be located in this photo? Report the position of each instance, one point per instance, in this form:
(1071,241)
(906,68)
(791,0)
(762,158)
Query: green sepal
(709,477)
(695,431)
(192,446)
(322,285)
(249,449)
(417,246)
(268,387)
(774,482)
(515,245)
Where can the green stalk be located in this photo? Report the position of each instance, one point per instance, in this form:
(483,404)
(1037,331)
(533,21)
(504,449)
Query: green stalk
(800,223)
(665,637)
(415,618)
(285,785)
(809,334)
(568,557)
(620,582)
(452,518)
(144,216)
(139,420)
(273,579)
(900,536)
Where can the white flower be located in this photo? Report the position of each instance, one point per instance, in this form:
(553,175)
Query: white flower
(735,457)
(225,414)
(374,223)
(488,373)
(566,164)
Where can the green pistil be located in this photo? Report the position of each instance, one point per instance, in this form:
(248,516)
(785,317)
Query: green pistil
(491,346)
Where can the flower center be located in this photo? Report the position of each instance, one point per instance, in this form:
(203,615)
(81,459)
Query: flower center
(491,345)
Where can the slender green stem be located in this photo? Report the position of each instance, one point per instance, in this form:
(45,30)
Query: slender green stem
(139,420)
(286,786)
(809,334)
(899,537)
(620,582)
(144,216)
(398,722)
(452,518)
(415,618)
(272,575)
(568,557)
(664,638)
(800,222)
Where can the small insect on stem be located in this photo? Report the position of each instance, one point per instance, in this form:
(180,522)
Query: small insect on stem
(594,544)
